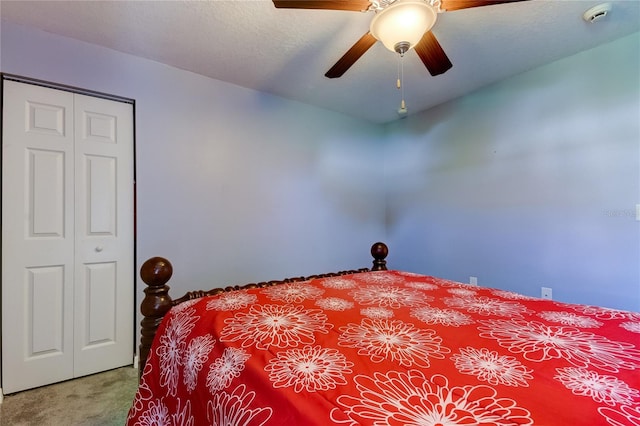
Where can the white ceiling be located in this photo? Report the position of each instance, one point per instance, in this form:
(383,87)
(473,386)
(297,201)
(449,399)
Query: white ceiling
(286,52)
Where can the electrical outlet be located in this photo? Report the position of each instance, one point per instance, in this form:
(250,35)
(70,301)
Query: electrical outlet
(546,293)
(473,280)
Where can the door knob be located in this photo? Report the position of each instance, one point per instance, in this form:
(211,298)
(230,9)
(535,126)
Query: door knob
(99,249)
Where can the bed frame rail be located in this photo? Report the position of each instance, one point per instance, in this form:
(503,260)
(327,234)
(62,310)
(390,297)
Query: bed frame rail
(157,271)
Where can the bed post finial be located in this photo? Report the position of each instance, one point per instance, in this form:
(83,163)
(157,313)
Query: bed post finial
(379,251)
(155,273)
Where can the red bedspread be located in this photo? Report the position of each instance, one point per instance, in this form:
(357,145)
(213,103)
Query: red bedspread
(390,348)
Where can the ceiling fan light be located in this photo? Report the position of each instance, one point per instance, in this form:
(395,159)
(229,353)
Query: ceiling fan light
(403,21)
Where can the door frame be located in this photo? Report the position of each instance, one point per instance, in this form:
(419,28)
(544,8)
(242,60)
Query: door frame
(76,90)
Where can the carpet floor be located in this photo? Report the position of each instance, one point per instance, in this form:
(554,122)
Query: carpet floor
(96,400)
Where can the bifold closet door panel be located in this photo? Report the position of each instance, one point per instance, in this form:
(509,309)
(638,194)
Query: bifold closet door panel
(104,263)
(37,236)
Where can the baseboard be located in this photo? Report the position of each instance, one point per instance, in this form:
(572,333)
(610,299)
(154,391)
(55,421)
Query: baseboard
(136,360)
(1,396)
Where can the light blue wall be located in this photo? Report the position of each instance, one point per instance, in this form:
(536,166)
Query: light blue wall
(233,185)
(530,182)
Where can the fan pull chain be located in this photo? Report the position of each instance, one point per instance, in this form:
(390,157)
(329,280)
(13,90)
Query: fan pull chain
(403,107)
(399,82)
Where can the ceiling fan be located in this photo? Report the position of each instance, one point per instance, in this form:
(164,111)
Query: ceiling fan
(401,25)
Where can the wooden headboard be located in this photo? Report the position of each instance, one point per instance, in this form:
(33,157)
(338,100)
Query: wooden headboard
(157,271)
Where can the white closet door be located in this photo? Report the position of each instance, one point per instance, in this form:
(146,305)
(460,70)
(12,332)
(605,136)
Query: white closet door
(37,236)
(67,236)
(104,269)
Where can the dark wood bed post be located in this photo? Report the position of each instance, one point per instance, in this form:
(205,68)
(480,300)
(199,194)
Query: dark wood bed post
(157,271)
(379,251)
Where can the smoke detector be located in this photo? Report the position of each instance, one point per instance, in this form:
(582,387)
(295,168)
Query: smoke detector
(596,13)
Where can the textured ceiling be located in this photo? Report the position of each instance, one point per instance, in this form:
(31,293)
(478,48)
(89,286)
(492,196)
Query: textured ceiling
(286,52)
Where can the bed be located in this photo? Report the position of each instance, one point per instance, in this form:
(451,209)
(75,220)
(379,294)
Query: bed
(380,347)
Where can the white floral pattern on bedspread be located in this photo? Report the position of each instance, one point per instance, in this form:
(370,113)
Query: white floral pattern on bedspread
(390,348)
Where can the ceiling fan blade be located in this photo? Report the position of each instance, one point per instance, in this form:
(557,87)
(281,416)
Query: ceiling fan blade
(432,55)
(352,55)
(449,5)
(354,5)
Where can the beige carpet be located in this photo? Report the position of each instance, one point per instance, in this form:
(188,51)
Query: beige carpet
(100,399)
